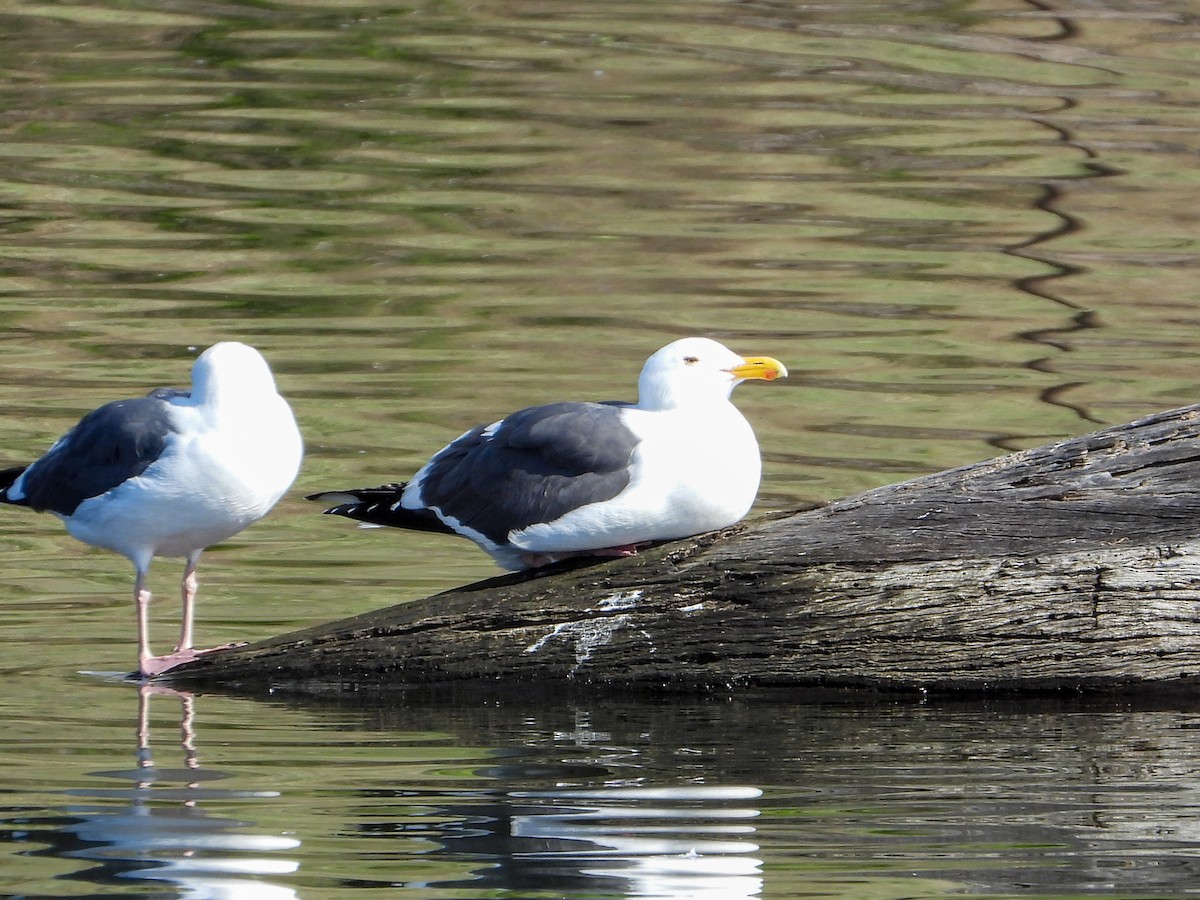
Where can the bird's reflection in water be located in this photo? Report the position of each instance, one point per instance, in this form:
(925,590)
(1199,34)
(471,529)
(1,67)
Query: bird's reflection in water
(157,829)
(683,841)
(694,841)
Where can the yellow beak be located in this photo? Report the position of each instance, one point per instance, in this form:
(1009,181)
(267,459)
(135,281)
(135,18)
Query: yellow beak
(762,367)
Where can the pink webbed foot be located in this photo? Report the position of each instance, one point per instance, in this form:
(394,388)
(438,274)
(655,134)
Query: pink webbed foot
(151,666)
(535,560)
(620,551)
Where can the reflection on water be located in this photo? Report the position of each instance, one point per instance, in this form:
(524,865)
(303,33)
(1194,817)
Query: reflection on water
(163,824)
(620,840)
(970,224)
(469,794)
(158,828)
(659,842)
(669,842)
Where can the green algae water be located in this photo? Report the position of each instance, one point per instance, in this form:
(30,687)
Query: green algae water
(966,228)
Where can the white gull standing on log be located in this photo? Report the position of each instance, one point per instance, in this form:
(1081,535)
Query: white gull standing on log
(591,479)
(170,474)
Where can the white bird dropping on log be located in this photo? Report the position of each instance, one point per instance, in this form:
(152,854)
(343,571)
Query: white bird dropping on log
(170,474)
(591,479)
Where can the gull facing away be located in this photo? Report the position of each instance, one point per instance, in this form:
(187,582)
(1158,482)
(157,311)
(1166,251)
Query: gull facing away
(170,474)
(591,479)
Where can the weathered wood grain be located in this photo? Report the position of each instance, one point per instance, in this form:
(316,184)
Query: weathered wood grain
(1070,566)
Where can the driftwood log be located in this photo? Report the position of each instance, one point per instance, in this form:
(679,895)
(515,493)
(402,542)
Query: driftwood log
(1070,566)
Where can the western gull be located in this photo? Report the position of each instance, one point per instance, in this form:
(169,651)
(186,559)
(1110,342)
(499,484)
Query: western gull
(591,479)
(170,474)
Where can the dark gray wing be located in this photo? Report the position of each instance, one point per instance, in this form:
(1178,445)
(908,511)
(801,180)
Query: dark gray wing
(109,446)
(537,465)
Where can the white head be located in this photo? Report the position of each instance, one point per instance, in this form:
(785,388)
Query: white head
(699,371)
(230,370)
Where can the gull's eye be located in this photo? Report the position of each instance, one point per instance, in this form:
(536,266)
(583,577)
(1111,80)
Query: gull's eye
(690,360)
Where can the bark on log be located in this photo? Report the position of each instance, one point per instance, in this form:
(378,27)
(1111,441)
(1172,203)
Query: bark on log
(1070,566)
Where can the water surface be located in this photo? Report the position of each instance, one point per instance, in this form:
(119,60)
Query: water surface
(485,794)
(967,228)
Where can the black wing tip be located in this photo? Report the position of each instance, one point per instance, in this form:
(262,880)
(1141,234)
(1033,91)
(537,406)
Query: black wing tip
(380,506)
(360,495)
(345,504)
(7,478)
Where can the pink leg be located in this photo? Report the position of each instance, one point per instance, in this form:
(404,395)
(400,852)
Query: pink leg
(141,600)
(185,650)
(189,587)
(150,665)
